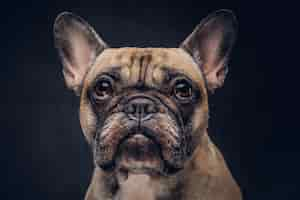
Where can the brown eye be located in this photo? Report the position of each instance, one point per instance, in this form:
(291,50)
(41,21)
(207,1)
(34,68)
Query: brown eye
(183,90)
(103,88)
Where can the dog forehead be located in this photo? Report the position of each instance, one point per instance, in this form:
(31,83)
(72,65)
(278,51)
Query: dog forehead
(130,61)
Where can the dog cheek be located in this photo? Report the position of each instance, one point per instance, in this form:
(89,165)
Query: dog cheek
(172,142)
(108,136)
(200,119)
(88,121)
(196,128)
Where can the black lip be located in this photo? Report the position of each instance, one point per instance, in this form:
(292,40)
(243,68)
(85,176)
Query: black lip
(170,169)
(109,166)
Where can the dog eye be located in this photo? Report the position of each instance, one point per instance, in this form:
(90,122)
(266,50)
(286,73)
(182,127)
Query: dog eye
(183,90)
(103,88)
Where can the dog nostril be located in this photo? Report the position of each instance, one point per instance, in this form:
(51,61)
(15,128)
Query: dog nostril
(169,142)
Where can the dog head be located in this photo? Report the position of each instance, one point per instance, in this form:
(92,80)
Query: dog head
(144,109)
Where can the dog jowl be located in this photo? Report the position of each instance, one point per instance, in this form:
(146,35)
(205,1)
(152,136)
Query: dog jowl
(144,111)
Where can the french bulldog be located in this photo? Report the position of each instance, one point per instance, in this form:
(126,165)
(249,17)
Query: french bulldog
(144,111)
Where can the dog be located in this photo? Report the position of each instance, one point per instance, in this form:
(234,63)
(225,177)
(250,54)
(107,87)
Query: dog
(144,111)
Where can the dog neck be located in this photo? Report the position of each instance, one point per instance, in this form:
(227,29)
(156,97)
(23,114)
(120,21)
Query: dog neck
(136,187)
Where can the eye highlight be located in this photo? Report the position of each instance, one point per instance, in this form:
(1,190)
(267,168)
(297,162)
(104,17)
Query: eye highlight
(103,88)
(183,90)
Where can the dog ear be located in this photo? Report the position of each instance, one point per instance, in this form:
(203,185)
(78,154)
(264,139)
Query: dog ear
(78,45)
(210,45)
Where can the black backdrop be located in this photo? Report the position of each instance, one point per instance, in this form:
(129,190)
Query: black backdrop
(45,156)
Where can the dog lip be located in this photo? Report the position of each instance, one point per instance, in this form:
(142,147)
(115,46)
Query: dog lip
(109,166)
(170,169)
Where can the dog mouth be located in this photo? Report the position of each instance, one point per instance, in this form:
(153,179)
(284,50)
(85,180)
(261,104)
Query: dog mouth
(140,152)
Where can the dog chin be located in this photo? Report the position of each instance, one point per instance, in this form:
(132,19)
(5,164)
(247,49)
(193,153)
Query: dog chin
(139,154)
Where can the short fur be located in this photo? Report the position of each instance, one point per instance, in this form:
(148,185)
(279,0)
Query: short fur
(179,161)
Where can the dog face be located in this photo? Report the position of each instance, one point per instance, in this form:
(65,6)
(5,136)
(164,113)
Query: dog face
(144,109)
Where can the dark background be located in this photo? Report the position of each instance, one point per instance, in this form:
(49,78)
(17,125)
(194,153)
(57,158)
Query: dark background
(45,156)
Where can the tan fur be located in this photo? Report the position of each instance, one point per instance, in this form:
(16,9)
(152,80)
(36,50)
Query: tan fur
(205,176)
(202,57)
(127,59)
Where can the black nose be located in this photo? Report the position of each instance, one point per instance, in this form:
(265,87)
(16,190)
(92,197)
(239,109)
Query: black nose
(140,108)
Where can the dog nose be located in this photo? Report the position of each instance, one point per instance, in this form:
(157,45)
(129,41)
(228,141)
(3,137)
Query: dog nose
(140,109)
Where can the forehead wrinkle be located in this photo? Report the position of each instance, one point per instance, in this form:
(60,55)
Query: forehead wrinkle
(134,69)
(146,61)
(174,58)
(154,75)
(140,62)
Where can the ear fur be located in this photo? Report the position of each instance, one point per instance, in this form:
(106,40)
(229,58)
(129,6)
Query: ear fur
(78,45)
(210,45)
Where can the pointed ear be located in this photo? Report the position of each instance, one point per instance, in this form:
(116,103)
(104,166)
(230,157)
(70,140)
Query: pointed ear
(210,45)
(78,45)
